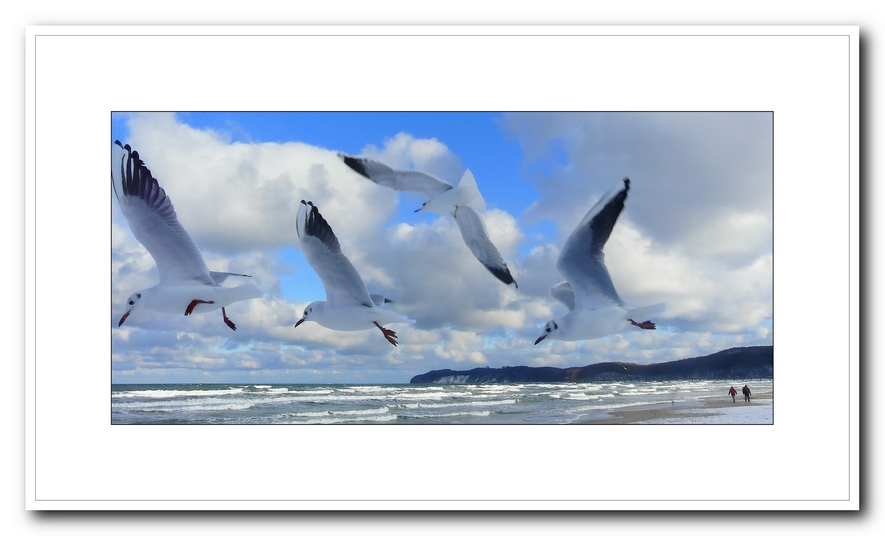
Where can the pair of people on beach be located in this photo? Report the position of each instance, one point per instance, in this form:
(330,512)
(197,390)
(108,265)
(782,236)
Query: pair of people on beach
(745,390)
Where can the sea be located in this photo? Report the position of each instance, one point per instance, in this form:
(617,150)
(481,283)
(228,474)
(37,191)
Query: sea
(521,403)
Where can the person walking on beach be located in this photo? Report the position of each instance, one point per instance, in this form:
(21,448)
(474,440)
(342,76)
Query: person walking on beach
(732,392)
(746,391)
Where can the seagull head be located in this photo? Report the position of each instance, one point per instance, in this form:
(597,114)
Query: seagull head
(133,302)
(314,308)
(551,329)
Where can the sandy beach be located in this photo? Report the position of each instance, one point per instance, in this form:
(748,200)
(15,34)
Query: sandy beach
(707,410)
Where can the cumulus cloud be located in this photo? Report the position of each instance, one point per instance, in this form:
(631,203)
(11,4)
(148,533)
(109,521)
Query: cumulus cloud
(696,234)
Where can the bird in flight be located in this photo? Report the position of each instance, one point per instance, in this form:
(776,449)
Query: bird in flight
(186,284)
(595,309)
(348,305)
(461,201)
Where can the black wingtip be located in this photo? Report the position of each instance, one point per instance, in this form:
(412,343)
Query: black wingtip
(626,184)
(316,225)
(126,147)
(355,164)
(503,274)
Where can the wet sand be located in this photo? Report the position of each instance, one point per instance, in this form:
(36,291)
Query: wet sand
(639,414)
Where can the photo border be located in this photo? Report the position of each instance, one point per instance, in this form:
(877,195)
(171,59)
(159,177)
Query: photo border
(51,112)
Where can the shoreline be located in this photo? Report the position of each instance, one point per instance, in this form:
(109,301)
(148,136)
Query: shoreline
(702,408)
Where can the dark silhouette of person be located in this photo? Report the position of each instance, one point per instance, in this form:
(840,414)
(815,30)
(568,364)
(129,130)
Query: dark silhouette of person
(732,392)
(746,391)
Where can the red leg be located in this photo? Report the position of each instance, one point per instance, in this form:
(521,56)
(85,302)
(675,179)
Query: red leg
(192,304)
(389,334)
(648,324)
(228,321)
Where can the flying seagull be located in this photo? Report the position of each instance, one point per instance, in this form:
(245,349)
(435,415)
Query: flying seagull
(595,309)
(348,305)
(186,284)
(461,201)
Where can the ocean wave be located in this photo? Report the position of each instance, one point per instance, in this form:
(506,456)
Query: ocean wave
(176,393)
(180,403)
(342,420)
(419,405)
(230,406)
(334,413)
(311,392)
(456,414)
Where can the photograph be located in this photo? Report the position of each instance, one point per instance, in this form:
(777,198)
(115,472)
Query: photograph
(466,251)
(441,267)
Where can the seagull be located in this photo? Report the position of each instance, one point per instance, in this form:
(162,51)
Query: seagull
(595,309)
(461,201)
(186,284)
(348,305)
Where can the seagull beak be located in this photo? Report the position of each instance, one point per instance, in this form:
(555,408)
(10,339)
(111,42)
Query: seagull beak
(123,318)
(300,321)
(541,338)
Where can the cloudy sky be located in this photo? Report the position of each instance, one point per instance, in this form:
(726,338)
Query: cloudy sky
(696,234)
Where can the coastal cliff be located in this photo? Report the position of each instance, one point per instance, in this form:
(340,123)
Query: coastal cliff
(734,363)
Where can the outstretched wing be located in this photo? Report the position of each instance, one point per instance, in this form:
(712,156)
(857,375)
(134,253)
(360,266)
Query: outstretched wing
(343,283)
(475,235)
(582,261)
(404,180)
(563,292)
(152,220)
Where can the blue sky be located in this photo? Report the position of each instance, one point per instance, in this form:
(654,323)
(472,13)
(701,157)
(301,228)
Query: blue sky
(696,234)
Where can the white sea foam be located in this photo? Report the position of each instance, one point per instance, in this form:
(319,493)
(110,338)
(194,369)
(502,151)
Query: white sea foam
(175,393)
(755,413)
(311,392)
(230,406)
(434,395)
(609,407)
(340,420)
(178,404)
(456,414)
(333,413)
(416,405)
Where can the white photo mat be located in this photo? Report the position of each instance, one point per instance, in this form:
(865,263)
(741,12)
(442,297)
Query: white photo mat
(806,76)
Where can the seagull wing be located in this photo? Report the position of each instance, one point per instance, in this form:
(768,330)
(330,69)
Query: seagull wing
(475,235)
(400,180)
(344,286)
(582,261)
(219,277)
(563,292)
(152,220)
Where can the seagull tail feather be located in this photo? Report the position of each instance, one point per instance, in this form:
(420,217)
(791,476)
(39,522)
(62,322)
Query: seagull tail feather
(469,192)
